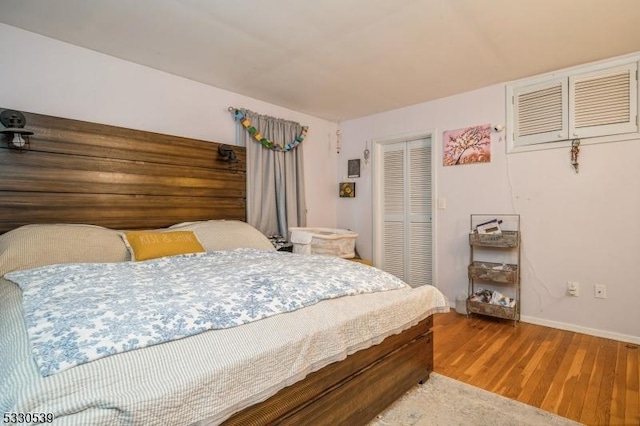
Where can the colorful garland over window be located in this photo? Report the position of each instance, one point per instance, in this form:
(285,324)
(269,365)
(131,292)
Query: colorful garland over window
(240,116)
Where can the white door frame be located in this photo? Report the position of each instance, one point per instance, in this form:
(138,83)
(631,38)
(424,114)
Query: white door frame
(377,184)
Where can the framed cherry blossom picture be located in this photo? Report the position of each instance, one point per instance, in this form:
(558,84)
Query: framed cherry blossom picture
(467,146)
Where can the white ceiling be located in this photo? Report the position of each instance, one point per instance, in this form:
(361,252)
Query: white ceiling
(341,59)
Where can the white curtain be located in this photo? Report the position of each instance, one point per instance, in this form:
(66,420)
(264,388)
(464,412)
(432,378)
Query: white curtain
(275,179)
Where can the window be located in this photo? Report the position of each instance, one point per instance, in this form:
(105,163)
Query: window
(587,103)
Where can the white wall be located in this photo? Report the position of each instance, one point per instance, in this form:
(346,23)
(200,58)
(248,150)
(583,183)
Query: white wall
(46,76)
(575,227)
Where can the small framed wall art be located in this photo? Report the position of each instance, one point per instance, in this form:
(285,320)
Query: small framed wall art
(348,189)
(353,168)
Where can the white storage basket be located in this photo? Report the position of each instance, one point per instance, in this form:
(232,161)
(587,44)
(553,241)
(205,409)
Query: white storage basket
(333,242)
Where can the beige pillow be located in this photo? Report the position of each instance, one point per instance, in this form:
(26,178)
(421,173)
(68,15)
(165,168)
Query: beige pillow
(226,234)
(145,245)
(32,246)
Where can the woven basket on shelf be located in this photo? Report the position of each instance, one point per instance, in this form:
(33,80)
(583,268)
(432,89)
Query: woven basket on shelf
(507,239)
(495,272)
(491,309)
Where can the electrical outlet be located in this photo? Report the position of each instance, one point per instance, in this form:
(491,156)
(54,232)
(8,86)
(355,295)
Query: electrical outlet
(600,291)
(573,288)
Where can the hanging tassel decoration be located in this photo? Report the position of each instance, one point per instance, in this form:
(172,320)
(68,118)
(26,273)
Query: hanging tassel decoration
(366,153)
(575,150)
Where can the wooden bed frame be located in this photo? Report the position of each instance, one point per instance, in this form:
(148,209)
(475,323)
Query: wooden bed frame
(79,172)
(353,391)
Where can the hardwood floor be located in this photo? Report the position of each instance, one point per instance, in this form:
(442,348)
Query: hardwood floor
(584,378)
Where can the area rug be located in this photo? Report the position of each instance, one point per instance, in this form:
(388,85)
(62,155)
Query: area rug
(444,401)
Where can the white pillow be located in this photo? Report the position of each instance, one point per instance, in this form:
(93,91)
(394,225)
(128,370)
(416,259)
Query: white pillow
(226,234)
(31,246)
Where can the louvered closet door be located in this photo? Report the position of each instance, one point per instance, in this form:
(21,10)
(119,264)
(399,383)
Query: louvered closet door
(393,204)
(419,214)
(406,205)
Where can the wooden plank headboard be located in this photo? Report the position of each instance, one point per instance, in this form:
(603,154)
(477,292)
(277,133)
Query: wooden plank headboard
(79,172)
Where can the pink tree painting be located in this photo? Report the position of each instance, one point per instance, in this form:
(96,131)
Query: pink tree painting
(467,146)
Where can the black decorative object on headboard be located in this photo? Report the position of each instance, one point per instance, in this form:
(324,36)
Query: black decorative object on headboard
(227,154)
(14,122)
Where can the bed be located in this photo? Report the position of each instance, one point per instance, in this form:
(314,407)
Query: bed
(335,361)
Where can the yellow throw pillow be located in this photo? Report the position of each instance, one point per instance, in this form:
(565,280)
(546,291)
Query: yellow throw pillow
(145,245)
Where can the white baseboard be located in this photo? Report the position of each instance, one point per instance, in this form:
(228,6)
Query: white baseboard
(572,327)
(579,329)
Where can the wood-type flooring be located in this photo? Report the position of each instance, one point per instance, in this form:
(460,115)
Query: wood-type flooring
(588,379)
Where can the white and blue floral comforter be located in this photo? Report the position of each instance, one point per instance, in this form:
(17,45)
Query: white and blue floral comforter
(76,313)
